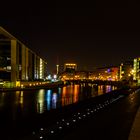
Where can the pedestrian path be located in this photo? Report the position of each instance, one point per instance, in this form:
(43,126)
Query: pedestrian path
(135,131)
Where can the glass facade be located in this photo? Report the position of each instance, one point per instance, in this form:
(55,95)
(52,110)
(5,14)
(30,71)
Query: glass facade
(5,60)
(136,69)
(17,62)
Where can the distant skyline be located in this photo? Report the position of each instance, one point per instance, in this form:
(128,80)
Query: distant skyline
(91,35)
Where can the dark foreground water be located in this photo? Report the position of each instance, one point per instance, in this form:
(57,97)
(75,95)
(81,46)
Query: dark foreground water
(21,110)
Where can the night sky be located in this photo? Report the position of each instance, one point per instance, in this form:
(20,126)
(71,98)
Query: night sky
(89,34)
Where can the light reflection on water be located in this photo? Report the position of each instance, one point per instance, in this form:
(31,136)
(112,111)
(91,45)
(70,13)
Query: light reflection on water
(19,98)
(48,99)
(70,94)
(22,111)
(52,99)
(2,98)
(39,101)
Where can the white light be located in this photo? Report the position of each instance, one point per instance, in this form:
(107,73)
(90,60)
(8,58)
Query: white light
(63,120)
(68,123)
(41,129)
(52,132)
(55,76)
(8,67)
(33,133)
(49,77)
(60,127)
(74,120)
(41,137)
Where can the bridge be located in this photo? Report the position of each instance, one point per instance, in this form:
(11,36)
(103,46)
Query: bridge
(98,82)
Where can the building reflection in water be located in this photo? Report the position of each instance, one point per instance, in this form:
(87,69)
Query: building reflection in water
(105,89)
(108,88)
(40,101)
(19,98)
(76,91)
(64,91)
(70,94)
(48,99)
(54,100)
(17,106)
(2,98)
(100,89)
(94,90)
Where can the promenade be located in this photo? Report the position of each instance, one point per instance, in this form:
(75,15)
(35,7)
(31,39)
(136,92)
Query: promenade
(112,116)
(117,119)
(43,86)
(135,130)
(121,121)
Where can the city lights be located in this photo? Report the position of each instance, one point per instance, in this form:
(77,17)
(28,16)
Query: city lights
(69,70)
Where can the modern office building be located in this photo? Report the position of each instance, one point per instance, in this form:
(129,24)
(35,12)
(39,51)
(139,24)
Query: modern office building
(18,62)
(136,68)
(126,71)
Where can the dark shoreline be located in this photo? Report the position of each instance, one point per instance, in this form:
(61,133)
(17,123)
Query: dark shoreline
(46,86)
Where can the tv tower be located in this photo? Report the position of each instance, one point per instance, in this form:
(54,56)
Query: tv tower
(57,66)
(57,69)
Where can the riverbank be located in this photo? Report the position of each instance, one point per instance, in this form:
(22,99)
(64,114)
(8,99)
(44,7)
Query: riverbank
(40,109)
(44,86)
(47,122)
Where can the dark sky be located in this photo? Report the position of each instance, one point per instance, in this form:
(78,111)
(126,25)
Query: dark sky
(90,34)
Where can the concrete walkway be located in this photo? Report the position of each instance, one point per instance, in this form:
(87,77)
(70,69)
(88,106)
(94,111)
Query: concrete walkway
(135,131)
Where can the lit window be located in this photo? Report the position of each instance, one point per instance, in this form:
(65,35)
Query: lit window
(8,67)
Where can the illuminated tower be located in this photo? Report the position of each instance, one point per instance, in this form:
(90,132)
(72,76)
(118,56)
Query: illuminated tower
(57,69)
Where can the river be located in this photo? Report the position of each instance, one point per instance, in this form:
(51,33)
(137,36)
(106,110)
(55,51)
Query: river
(17,108)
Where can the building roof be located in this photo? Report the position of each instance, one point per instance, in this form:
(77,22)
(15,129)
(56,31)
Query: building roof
(4,35)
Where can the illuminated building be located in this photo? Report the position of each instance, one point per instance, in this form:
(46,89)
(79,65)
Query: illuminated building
(126,71)
(70,67)
(69,71)
(136,69)
(105,73)
(17,62)
(57,69)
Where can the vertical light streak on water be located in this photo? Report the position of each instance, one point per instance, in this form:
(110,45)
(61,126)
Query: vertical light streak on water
(76,92)
(40,101)
(48,99)
(64,91)
(108,88)
(54,100)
